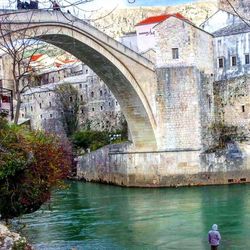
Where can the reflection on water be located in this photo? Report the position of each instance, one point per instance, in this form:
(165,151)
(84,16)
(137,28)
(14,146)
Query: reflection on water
(93,216)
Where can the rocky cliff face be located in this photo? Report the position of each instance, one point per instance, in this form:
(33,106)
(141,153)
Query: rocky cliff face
(121,21)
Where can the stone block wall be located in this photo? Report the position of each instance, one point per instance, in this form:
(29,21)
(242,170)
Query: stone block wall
(193,45)
(185,107)
(117,164)
(233,102)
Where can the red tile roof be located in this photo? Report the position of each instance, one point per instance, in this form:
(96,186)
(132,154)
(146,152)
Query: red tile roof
(36,57)
(158,19)
(70,60)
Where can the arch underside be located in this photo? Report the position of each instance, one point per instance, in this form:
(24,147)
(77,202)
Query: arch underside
(116,75)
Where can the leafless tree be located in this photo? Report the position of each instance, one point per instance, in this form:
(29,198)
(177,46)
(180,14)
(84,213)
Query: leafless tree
(19,48)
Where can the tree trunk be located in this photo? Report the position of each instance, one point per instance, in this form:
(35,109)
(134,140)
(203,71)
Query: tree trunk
(18,106)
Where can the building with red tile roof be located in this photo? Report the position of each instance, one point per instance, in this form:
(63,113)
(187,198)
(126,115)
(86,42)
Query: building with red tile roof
(145,30)
(158,19)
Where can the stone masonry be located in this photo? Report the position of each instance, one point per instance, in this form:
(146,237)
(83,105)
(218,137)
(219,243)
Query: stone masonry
(169,105)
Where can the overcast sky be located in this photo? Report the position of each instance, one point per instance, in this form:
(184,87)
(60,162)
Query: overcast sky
(106,3)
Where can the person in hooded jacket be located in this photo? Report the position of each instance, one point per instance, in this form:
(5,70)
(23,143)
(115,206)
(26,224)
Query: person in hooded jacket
(214,237)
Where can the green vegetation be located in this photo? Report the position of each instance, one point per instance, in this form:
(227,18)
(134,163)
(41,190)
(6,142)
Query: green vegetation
(93,140)
(90,139)
(68,104)
(31,163)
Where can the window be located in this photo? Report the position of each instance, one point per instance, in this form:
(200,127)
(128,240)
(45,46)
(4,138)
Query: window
(40,104)
(116,103)
(209,102)
(93,109)
(243,108)
(51,115)
(81,97)
(233,60)
(221,62)
(71,99)
(175,53)
(82,111)
(80,85)
(247,59)
(92,94)
(100,92)
(109,104)
(101,108)
(41,116)
(31,108)
(50,104)
(86,71)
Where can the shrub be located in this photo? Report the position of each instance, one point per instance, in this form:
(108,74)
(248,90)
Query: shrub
(31,163)
(90,139)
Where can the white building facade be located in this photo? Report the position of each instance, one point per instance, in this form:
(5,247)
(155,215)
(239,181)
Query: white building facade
(98,107)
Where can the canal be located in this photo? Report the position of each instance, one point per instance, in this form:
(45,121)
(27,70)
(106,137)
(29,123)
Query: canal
(95,216)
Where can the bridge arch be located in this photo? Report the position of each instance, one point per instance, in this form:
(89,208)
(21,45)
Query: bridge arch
(130,77)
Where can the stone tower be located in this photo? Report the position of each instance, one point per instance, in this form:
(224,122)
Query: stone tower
(241,6)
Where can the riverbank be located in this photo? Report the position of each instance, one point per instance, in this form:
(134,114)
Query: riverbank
(12,241)
(118,164)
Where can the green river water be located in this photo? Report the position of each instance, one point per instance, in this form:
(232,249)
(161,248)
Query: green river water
(95,216)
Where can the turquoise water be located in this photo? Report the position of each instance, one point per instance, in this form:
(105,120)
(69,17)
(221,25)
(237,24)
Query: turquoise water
(95,216)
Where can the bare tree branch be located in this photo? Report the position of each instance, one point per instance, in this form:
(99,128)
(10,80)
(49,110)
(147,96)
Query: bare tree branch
(237,13)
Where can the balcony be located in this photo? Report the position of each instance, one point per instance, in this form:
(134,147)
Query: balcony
(6,103)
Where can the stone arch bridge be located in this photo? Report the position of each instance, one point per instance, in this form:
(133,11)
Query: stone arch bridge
(165,107)
(130,76)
